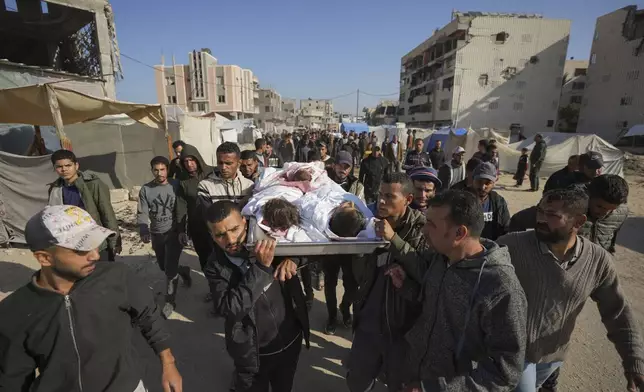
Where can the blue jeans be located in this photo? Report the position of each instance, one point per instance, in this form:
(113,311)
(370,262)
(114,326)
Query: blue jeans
(535,374)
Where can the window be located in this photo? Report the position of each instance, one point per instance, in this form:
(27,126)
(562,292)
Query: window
(201,106)
(44,7)
(578,85)
(267,109)
(534,59)
(493,105)
(626,101)
(169,81)
(575,99)
(526,38)
(501,37)
(11,5)
(172,99)
(459,58)
(221,99)
(444,104)
(633,75)
(521,84)
(580,72)
(518,106)
(483,80)
(593,58)
(511,71)
(550,123)
(448,83)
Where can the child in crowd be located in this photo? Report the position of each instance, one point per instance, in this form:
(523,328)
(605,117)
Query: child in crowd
(522,167)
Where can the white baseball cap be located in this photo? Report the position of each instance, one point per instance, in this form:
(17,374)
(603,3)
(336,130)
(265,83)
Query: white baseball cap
(458,150)
(69,227)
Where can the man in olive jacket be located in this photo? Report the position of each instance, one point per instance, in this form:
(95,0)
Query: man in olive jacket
(87,191)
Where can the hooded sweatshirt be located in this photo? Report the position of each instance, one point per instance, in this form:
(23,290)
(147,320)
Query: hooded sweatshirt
(472,331)
(187,195)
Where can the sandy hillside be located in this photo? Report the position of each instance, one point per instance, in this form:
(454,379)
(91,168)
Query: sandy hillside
(592,365)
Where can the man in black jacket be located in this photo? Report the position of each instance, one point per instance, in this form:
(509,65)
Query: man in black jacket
(537,156)
(565,177)
(381,315)
(176,170)
(495,209)
(189,220)
(372,170)
(70,327)
(417,157)
(261,301)
(437,155)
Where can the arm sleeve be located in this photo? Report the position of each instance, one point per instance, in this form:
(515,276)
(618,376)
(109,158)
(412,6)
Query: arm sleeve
(363,171)
(142,210)
(238,300)
(415,261)
(203,198)
(503,326)
(181,210)
(106,212)
(17,368)
(444,176)
(408,164)
(145,313)
(618,318)
(504,218)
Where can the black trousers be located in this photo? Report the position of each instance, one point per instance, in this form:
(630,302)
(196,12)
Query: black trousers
(553,380)
(534,176)
(167,249)
(276,371)
(202,242)
(332,267)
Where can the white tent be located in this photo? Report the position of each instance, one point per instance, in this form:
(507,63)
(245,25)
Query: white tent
(560,147)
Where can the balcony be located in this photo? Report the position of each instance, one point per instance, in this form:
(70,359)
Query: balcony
(419,100)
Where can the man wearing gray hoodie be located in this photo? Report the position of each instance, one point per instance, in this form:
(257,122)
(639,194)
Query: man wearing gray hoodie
(471,333)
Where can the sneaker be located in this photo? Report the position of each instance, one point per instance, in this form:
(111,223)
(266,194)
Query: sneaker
(168,308)
(184,273)
(329,328)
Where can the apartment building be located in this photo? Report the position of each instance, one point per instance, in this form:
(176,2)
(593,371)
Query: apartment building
(572,93)
(385,113)
(614,94)
(204,85)
(316,113)
(270,109)
(486,70)
(289,111)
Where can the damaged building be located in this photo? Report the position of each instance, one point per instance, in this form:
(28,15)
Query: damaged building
(486,69)
(614,94)
(70,42)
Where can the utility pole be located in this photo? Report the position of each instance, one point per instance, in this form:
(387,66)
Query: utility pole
(357,103)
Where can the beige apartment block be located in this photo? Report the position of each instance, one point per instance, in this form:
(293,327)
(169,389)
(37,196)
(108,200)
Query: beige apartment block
(205,86)
(486,70)
(270,110)
(316,113)
(614,95)
(572,93)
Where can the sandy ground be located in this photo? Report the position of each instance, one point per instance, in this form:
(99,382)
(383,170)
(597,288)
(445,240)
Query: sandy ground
(198,342)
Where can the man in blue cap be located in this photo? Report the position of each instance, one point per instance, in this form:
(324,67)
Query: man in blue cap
(426,182)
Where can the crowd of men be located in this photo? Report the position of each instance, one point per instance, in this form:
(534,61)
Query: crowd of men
(464,298)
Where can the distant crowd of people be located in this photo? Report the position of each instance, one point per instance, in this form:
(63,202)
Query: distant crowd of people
(464,298)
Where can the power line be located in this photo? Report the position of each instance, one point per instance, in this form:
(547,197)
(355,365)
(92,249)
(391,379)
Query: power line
(225,85)
(379,95)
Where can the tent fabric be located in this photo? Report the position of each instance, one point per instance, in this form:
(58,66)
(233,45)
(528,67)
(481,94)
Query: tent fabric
(636,130)
(36,105)
(443,135)
(23,192)
(560,147)
(356,127)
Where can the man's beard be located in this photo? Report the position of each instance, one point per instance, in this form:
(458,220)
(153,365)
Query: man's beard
(544,234)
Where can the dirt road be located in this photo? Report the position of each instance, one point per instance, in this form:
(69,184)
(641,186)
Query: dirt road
(592,364)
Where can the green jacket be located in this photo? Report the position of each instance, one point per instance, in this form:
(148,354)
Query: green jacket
(96,198)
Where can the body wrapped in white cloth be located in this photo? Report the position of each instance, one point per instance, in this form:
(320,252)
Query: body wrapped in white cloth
(318,200)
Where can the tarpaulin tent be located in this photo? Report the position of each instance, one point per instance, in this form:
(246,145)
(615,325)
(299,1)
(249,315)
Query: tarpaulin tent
(356,127)
(442,135)
(50,104)
(23,192)
(560,147)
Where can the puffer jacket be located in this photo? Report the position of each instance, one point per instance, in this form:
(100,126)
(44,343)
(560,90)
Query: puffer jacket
(96,199)
(400,312)
(238,298)
(214,188)
(471,335)
(186,207)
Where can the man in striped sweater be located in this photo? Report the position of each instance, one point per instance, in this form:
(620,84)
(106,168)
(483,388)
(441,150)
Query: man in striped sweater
(559,270)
